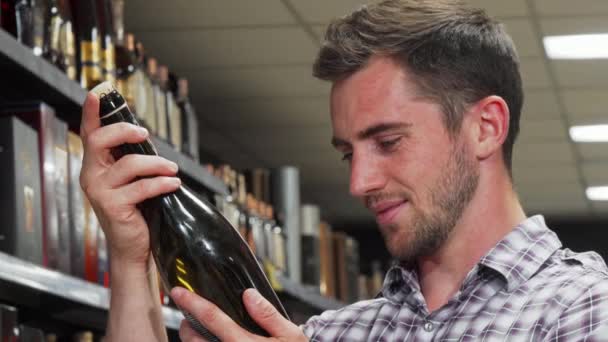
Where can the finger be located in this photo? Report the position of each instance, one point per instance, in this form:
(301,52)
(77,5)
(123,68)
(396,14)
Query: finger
(114,135)
(209,315)
(131,166)
(90,115)
(187,334)
(147,188)
(266,315)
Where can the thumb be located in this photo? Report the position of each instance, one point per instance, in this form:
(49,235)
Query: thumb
(266,315)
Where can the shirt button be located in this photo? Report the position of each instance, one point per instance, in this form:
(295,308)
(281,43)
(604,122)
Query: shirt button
(428,326)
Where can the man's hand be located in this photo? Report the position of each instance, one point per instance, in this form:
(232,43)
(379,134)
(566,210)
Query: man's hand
(222,326)
(112,186)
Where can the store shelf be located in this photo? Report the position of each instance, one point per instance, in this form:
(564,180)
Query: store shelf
(308,294)
(25,277)
(190,168)
(26,76)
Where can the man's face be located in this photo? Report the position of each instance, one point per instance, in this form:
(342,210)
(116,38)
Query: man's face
(407,169)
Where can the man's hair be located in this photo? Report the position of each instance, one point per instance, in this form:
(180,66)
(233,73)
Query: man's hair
(456,55)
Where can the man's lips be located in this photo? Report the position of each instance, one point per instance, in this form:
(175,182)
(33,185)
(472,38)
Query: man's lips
(387,210)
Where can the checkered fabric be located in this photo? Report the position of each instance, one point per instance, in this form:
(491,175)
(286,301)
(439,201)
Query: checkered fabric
(527,288)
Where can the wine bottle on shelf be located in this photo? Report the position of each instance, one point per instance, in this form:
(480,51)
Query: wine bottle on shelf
(163,81)
(161,103)
(141,83)
(53,20)
(106,28)
(151,109)
(250,206)
(67,40)
(175,114)
(189,121)
(8,16)
(88,39)
(125,69)
(193,245)
(155,98)
(30,27)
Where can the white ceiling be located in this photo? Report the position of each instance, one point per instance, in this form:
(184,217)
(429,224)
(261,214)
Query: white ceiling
(249,65)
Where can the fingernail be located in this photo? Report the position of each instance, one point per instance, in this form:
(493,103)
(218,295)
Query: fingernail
(174,167)
(255,296)
(177,292)
(177,181)
(143,132)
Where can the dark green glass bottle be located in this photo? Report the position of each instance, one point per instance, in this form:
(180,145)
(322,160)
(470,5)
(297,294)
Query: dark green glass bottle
(193,245)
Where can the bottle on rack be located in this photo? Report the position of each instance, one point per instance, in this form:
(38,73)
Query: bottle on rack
(189,121)
(175,114)
(193,245)
(106,28)
(164,129)
(53,21)
(125,69)
(67,40)
(30,24)
(141,83)
(88,39)
(149,111)
(154,97)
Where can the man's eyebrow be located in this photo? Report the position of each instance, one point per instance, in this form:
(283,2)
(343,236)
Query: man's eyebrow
(382,127)
(371,131)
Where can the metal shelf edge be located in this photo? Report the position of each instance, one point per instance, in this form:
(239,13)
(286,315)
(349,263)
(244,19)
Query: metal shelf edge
(36,277)
(309,295)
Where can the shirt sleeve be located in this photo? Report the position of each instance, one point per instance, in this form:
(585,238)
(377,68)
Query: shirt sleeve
(586,319)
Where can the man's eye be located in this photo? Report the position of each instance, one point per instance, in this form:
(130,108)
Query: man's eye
(389,144)
(347,156)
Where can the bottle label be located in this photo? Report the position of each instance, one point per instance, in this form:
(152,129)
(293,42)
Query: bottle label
(55,34)
(89,52)
(68,49)
(90,73)
(107,62)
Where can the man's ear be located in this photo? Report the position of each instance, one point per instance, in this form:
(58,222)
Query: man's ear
(491,119)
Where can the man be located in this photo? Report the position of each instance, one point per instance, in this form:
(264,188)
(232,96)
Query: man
(425,108)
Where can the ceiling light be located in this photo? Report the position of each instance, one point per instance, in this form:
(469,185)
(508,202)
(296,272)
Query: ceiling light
(589,133)
(597,193)
(579,46)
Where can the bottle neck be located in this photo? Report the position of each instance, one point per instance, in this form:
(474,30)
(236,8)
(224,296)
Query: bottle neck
(114,109)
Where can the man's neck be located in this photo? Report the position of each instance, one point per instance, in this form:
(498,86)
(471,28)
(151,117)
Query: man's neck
(492,213)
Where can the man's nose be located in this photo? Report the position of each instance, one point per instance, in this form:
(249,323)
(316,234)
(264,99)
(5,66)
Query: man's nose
(366,175)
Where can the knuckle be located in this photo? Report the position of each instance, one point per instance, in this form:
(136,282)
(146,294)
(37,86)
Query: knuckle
(267,311)
(209,314)
(142,186)
(92,140)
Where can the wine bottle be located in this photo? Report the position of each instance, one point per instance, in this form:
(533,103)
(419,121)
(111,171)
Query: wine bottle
(106,28)
(89,43)
(53,21)
(30,16)
(189,121)
(146,94)
(152,94)
(175,114)
(164,128)
(67,40)
(193,245)
(125,68)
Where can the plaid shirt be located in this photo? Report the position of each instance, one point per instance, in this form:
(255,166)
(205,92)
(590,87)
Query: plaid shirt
(527,288)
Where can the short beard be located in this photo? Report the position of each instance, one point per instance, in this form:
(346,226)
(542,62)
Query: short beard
(449,198)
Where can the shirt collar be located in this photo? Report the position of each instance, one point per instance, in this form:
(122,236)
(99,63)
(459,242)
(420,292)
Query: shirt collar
(521,253)
(517,257)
